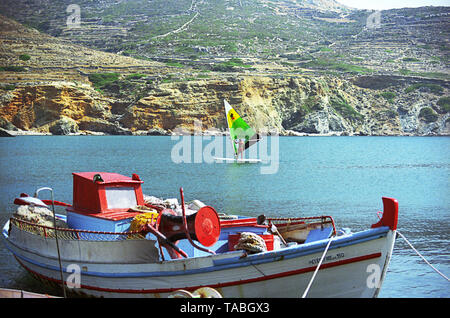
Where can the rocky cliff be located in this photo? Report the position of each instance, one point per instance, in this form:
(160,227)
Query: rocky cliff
(290,105)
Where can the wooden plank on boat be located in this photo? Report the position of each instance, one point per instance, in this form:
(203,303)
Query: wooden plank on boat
(15,293)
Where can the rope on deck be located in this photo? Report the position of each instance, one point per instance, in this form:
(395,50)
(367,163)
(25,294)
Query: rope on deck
(417,252)
(317,268)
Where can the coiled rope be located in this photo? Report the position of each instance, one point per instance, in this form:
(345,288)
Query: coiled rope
(317,268)
(417,252)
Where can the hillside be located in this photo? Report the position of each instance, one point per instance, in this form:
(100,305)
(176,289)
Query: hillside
(300,67)
(315,34)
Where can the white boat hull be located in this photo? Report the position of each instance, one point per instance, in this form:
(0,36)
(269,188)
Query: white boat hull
(354,266)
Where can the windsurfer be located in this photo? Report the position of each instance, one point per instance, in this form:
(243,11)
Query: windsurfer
(240,145)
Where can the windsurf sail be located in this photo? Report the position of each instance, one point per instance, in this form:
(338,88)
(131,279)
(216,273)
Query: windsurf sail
(239,129)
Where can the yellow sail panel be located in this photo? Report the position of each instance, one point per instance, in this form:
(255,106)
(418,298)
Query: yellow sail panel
(232,116)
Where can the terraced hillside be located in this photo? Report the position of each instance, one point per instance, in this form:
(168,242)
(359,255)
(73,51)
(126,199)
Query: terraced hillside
(300,67)
(302,35)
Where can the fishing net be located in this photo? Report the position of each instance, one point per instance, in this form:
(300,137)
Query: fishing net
(140,220)
(251,243)
(38,215)
(71,234)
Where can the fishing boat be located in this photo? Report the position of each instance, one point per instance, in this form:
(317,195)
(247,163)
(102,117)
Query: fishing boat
(241,134)
(112,241)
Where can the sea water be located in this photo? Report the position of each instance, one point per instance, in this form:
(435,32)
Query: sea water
(344,177)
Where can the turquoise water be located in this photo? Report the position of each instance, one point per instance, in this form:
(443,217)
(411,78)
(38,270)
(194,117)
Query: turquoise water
(340,176)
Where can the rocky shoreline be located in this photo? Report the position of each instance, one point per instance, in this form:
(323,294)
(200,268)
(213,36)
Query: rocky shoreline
(289,133)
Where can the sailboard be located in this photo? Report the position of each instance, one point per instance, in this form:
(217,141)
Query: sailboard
(240,131)
(239,160)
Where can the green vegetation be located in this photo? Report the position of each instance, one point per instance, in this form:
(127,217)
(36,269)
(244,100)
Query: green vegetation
(134,76)
(8,87)
(340,105)
(168,79)
(12,68)
(444,102)
(311,104)
(237,63)
(231,65)
(428,114)
(100,80)
(325,49)
(24,57)
(389,96)
(405,71)
(174,63)
(120,86)
(202,76)
(438,75)
(434,88)
(425,46)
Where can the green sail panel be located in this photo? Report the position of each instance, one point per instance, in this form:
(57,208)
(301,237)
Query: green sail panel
(239,129)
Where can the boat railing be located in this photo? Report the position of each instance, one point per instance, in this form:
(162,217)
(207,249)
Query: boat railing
(322,221)
(88,235)
(73,234)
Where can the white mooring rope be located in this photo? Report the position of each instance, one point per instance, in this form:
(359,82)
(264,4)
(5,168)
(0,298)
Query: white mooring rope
(422,256)
(328,245)
(317,268)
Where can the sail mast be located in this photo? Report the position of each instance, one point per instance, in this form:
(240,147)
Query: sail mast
(230,120)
